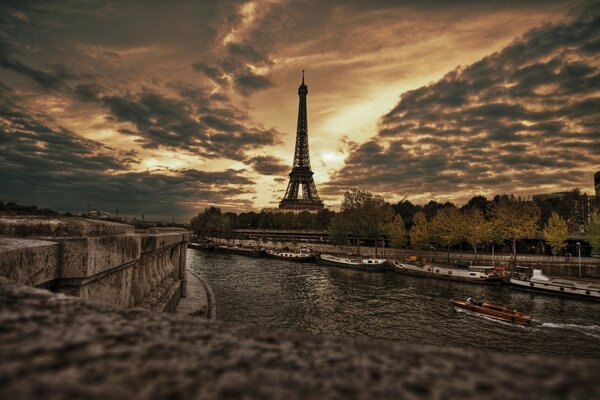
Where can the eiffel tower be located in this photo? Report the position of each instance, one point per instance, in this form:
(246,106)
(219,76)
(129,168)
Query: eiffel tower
(301,193)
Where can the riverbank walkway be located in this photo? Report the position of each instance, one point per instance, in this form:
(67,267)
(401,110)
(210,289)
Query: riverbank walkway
(199,300)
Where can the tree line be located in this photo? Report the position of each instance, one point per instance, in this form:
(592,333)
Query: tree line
(364,216)
(212,221)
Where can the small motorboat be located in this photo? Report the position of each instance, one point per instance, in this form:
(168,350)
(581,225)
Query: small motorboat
(494,310)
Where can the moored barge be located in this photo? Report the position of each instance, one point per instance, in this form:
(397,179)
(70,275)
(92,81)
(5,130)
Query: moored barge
(539,282)
(353,261)
(303,255)
(473,274)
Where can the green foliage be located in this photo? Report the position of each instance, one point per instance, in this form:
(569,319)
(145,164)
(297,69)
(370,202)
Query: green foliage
(225,225)
(364,215)
(396,232)
(477,202)
(476,227)
(419,233)
(406,210)
(592,231)
(556,233)
(207,222)
(338,231)
(447,227)
(515,219)
(12,208)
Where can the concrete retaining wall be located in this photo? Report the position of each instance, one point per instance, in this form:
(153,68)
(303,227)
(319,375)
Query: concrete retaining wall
(96,260)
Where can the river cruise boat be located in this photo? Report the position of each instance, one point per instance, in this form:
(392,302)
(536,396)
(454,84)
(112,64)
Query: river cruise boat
(353,261)
(539,282)
(493,310)
(302,255)
(474,273)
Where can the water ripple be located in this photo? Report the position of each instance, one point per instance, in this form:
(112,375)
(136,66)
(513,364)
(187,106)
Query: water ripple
(384,305)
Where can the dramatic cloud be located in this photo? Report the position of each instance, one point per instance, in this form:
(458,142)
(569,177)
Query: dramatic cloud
(268,165)
(524,120)
(54,167)
(163,106)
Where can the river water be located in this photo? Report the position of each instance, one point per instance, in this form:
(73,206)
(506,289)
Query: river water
(386,305)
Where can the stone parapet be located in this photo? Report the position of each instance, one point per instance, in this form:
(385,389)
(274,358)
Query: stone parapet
(59,347)
(96,260)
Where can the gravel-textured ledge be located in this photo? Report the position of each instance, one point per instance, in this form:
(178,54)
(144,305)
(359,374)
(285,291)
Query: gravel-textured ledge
(58,347)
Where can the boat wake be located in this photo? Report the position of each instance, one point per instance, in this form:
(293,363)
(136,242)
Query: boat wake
(482,316)
(589,330)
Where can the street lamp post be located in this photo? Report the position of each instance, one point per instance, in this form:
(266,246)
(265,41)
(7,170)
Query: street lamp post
(579,256)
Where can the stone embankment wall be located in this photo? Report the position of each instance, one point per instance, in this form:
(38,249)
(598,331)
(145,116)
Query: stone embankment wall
(61,347)
(555,266)
(96,260)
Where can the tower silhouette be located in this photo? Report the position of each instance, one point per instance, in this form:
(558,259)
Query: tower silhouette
(301,193)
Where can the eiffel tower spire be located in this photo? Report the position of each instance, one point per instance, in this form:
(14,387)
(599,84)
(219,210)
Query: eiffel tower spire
(301,193)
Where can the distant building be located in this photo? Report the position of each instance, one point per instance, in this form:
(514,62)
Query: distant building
(597,183)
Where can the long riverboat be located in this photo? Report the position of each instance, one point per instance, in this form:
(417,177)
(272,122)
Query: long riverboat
(493,310)
(303,255)
(247,251)
(539,282)
(353,261)
(473,274)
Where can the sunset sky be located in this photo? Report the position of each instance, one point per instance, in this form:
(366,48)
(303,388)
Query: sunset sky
(164,108)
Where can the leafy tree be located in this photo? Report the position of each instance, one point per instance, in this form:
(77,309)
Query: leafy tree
(419,233)
(304,220)
(396,232)
(204,222)
(477,231)
(266,220)
(322,219)
(338,230)
(431,209)
(247,220)
(477,202)
(225,225)
(592,231)
(378,214)
(364,215)
(556,233)
(515,219)
(406,210)
(447,228)
(492,235)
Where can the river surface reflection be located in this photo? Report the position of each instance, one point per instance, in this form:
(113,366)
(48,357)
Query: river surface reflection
(386,305)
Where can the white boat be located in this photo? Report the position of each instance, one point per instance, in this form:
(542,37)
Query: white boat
(474,273)
(541,283)
(292,255)
(353,261)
